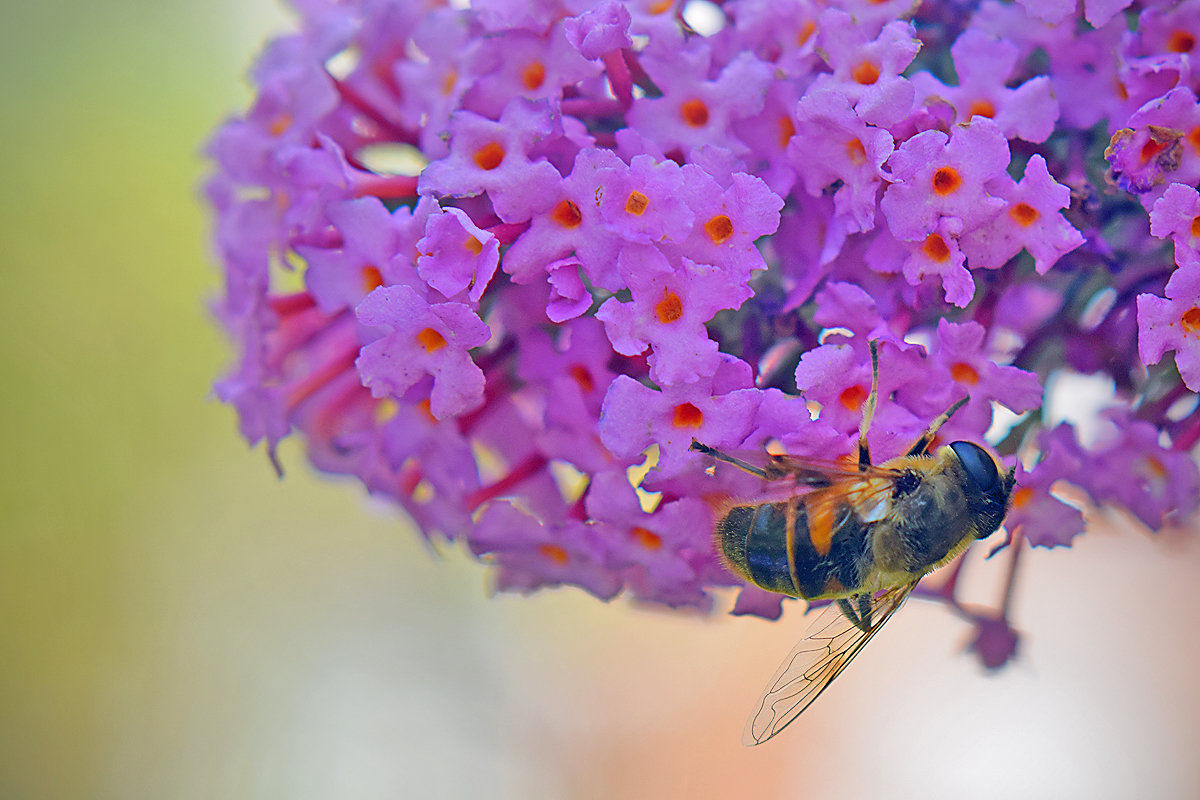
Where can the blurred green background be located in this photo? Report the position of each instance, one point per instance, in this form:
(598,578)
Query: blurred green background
(177,623)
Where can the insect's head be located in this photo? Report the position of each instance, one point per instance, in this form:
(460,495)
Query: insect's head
(986,483)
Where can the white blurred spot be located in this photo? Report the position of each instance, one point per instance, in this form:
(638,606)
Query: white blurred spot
(391,158)
(341,64)
(1003,421)
(1182,407)
(828,332)
(921,336)
(1097,308)
(1079,399)
(648,500)
(570,481)
(703,17)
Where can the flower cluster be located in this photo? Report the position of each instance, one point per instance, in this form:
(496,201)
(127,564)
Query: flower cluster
(502,264)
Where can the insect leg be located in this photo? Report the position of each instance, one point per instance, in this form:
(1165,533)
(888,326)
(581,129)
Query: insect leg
(864,450)
(923,441)
(864,609)
(728,459)
(862,622)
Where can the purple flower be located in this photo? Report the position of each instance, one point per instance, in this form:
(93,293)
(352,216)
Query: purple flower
(520,63)
(938,176)
(984,64)
(940,255)
(634,417)
(832,144)
(572,225)
(643,203)
(501,264)
(493,157)
(694,110)
(1173,323)
(668,312)
(837,377)
(599,30)
(421,339)
(1043,519)
(1032,220)
(1152,152)
(1175,216)
(780,32)
(868,71)
(530,554)
(456,256)
(1134,470)
(568,296)
(973,371)
(995,641)
(729,214)
(653,548)
(1084,65)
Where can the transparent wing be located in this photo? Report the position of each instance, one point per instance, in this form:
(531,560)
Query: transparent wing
(815,472)
(828,647)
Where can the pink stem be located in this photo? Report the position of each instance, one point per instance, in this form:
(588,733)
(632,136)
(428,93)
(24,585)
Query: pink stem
(532,464)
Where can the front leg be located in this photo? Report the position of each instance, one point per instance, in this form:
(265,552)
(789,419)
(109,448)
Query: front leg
(860,617)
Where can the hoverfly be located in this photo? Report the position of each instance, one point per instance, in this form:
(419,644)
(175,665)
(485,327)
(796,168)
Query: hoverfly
(860,536)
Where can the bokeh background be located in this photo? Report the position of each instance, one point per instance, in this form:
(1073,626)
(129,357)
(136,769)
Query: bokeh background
(175,622)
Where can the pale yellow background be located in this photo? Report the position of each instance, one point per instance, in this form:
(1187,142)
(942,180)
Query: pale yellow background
(176,623)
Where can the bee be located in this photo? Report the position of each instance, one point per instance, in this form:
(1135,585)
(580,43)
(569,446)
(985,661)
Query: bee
(861,536)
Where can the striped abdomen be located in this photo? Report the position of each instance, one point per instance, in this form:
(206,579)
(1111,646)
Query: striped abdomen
(774,547)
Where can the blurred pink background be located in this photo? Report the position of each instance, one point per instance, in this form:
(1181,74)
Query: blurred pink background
(177,623)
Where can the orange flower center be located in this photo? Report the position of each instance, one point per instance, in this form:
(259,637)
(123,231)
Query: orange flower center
(981,108)
(694,113)
(567,214)
(1194,139)
(935,248)
(280,124)
(431,340)
(787,129)
(636,203)
(964,373)
(852,397)
(1180,42)
(687,416)
(489,156)
(1156,468)
(1024,214)
(806,31)
(582,377)
(647,539)
(473,245)
(719,229)
(856,152)
(1022,496)
(946,180)
(1151,149)
(669,309)
(372,278)
(554,553)
(533,75)
(1190,320)
(865,73)
(1195,226)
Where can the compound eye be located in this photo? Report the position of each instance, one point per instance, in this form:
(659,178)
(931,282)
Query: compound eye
(979,466)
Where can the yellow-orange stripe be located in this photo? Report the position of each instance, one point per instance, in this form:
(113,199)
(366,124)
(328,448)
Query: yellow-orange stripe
(820,526)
